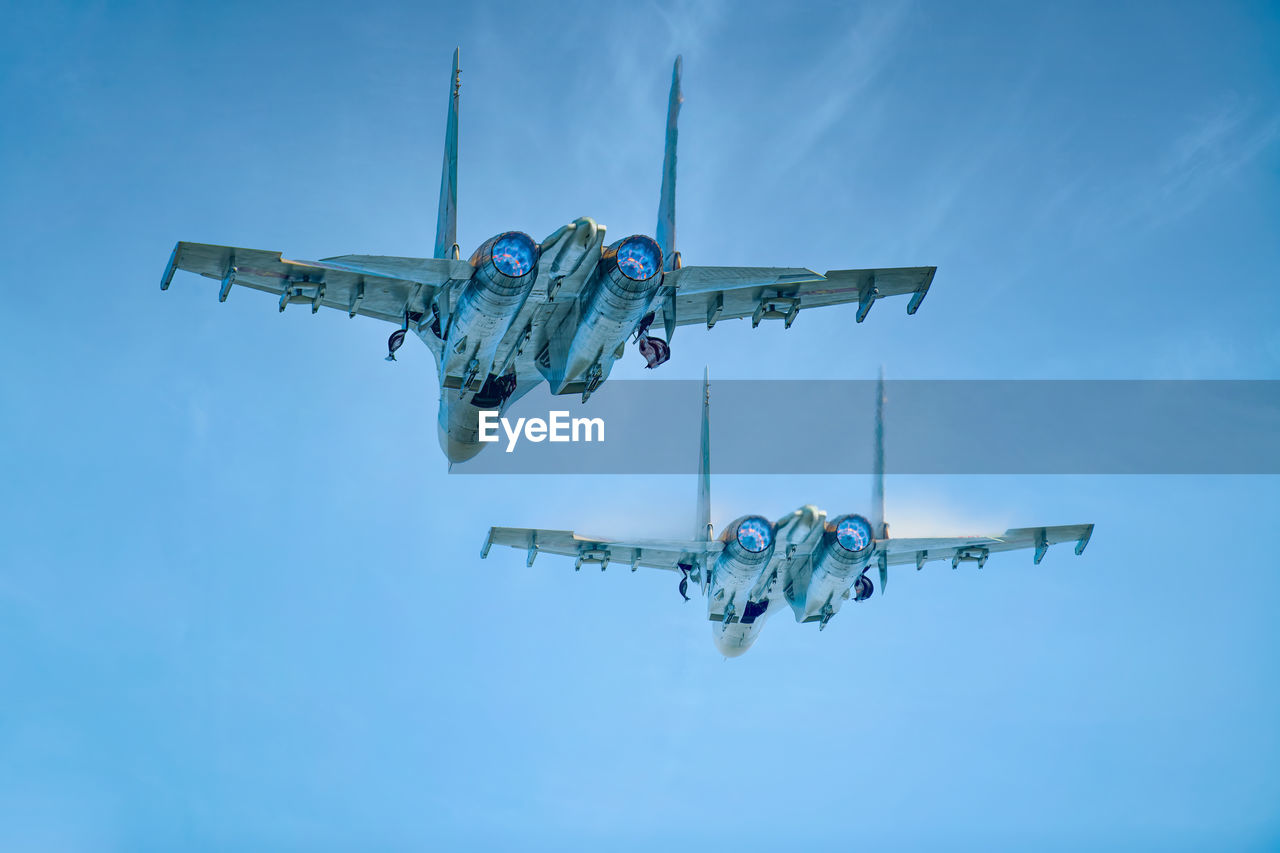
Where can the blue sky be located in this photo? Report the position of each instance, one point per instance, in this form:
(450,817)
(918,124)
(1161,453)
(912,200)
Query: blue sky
(240,599)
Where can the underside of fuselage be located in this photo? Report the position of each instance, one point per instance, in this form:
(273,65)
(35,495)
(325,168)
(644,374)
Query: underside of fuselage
(801,561)
(560,311)
(734,640)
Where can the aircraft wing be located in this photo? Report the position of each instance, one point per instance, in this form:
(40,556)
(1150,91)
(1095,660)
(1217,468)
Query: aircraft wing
(976,548)
(380,287)
(710,294)
(650,553)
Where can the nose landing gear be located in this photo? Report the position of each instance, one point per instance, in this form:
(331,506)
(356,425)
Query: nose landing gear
(595,376)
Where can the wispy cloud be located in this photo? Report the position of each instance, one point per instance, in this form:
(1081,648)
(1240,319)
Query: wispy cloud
(844,72)
(690,24)
(1208,155)
(1209,152)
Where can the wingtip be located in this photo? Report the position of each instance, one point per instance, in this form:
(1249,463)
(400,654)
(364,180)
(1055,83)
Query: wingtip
(1083,541)
(167,277)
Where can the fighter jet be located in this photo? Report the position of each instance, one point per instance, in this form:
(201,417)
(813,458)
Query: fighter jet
(519,312)
(803,561)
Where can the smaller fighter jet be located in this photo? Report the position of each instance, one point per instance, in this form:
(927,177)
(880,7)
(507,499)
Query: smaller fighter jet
(803,561)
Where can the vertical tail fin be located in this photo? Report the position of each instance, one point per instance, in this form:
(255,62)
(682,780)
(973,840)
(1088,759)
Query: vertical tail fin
(878,524)
(666,233)
(447,218)
(705,530)
(880,530)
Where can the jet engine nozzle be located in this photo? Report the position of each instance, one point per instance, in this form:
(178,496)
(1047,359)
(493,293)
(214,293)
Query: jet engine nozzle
(847,541)
(507,261)
(753,534)
(748,545)
(637,258)
(845,551)
(505,271)
(619,293)
(628,273)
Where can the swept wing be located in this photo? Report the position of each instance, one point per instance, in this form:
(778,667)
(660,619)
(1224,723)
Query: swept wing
(976,548)
(650,553)
(384,288)
(711,294)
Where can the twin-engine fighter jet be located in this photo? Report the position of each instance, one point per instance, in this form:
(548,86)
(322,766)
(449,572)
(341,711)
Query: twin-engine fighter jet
(802,560)
(518,312)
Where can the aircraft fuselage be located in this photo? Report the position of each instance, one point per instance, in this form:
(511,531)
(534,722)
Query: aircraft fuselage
(801,561)
(560,311)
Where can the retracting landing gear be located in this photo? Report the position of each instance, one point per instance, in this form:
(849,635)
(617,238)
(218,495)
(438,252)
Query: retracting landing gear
(656,351)
(397,337)
(684,568)
(394,343)
(729,612)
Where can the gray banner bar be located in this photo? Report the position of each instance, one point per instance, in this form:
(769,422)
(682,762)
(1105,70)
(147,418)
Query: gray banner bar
(931,427)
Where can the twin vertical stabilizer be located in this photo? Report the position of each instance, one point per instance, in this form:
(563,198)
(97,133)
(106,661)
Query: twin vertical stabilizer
(447,218)
(666,232)
(879,528)
(704,530)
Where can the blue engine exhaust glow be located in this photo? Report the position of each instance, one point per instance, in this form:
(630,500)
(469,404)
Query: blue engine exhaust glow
(639,258)
(514,254)
(854,533)
(755,534)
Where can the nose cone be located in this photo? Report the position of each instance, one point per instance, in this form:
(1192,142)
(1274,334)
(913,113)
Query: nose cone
(735,639)
(458,428)
(731,651)
(457,449)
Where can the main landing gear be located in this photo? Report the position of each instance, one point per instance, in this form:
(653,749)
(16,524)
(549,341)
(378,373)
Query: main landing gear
(394,343)
(684,568)
(397,337)
(656,351)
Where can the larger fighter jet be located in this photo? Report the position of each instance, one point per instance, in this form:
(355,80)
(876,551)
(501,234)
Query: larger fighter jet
(518,312)
(803,561)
